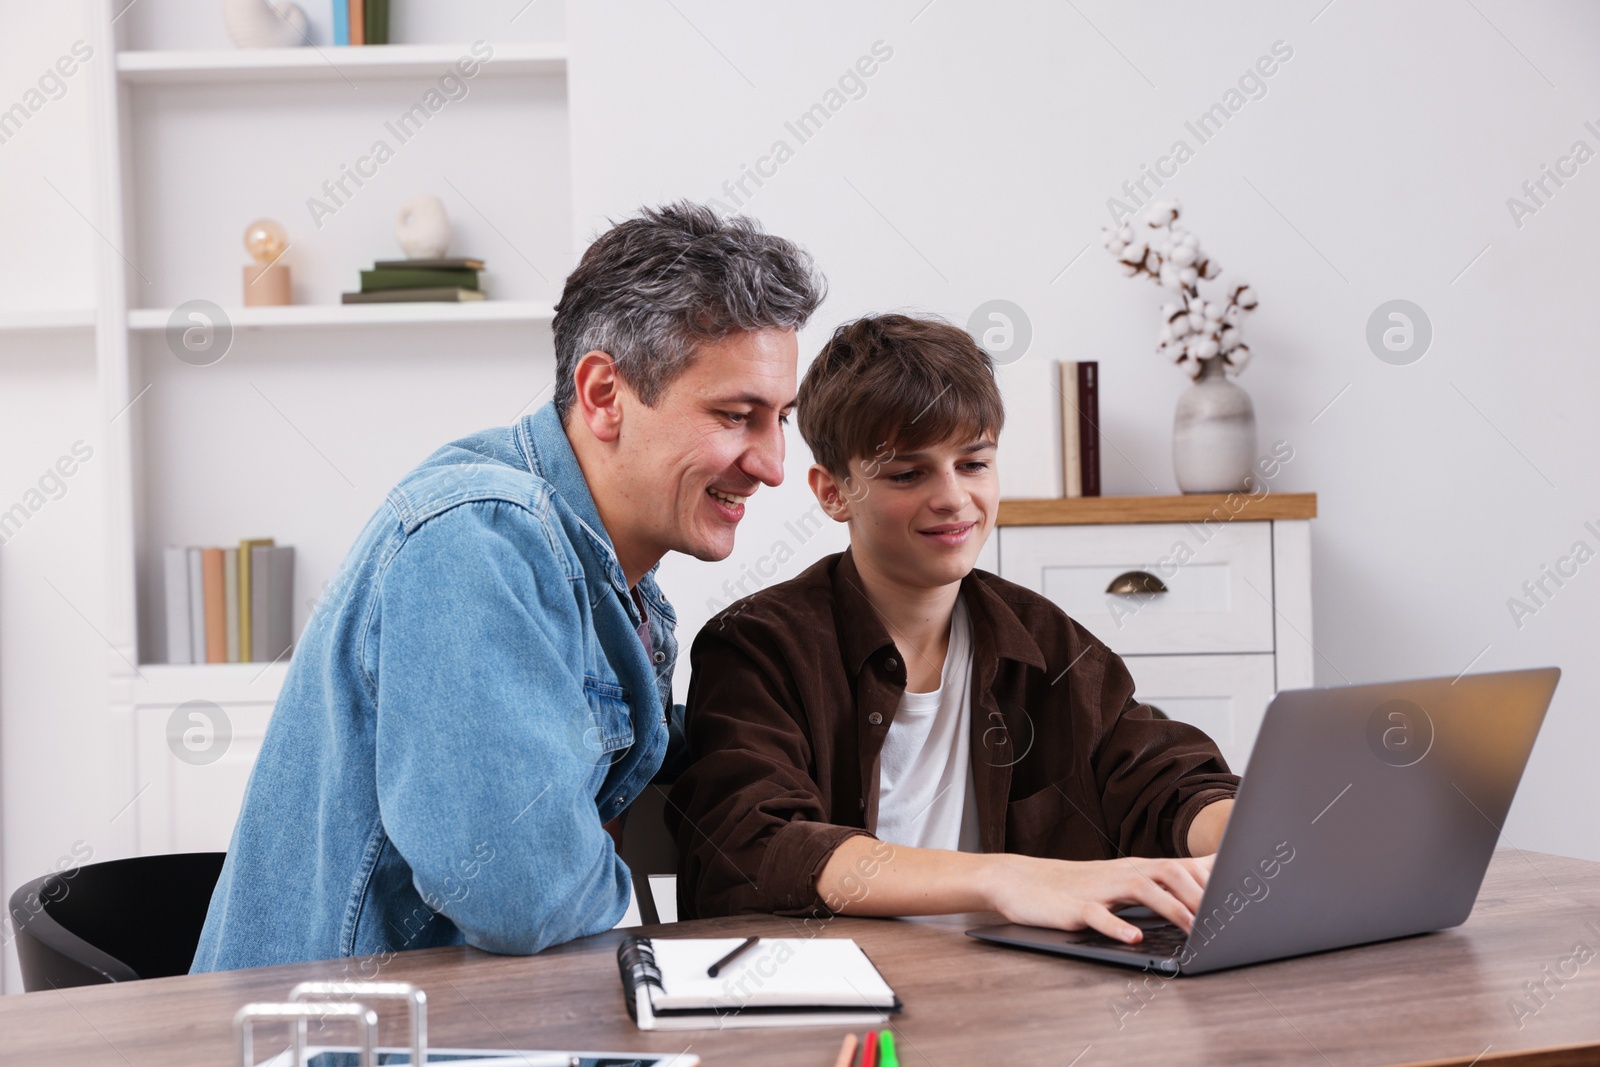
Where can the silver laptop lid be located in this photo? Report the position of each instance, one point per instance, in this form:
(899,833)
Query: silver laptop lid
(1367,812)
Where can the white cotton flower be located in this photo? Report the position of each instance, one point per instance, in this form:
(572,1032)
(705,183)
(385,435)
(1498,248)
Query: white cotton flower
(1191,240)
(1161,213)
(1182,255)
(1213,311)
(1134,253)
(1180,325)
(1125,233)
(1206,348)
(1108,238)
(1239,357)
(1168,277)
(1210,269)
(1197,321)
(1228,339)
(1188,275)
(1191,367)
(1165,336)
(1244,297)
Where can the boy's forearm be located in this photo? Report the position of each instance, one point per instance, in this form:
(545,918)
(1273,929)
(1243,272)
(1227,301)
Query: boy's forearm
(865,876)
(1205,832)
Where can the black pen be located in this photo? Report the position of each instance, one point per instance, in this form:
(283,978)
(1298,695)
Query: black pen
(711,971)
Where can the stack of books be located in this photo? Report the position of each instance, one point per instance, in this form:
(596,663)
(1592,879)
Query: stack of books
(360,22)
(401,281)
(229,605)
(1080,428)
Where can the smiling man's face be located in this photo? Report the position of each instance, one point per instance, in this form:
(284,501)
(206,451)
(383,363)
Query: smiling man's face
(714,437)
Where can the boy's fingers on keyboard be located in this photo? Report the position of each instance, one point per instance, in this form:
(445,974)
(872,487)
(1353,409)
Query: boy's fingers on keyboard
(1099,917)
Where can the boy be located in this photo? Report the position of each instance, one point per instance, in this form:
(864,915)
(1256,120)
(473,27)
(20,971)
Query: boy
(895,733)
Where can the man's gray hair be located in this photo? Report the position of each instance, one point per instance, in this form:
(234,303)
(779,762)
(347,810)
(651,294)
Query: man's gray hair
(653,288)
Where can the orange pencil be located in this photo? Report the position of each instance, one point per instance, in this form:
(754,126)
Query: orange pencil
(847,1051)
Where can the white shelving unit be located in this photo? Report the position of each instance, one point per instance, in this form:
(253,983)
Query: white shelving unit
(47,320)
(319,407)
(308,315)
(200,66)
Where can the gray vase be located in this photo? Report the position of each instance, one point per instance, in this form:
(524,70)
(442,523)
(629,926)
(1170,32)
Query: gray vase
(1213,433)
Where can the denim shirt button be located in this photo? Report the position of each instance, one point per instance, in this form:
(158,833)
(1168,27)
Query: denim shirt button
(890,664)
(617,803)
(660,657)
(875,719)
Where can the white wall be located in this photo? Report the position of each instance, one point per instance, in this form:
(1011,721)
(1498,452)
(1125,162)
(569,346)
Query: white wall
(55,750)
(978,164)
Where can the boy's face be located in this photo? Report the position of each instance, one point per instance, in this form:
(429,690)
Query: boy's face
(918,518)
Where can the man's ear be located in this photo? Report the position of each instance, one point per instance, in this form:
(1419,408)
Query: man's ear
(829,493)
(598,400)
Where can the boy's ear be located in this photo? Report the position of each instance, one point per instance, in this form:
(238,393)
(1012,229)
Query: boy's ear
(829,493)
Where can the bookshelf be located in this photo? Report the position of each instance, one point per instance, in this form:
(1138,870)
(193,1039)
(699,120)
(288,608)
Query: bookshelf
(318,407)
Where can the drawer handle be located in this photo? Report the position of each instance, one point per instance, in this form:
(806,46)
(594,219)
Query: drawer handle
(1132,583)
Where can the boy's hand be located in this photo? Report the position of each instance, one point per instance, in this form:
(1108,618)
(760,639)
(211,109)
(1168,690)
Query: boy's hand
(1069,895)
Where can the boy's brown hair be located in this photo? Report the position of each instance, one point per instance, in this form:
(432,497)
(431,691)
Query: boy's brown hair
(895,382)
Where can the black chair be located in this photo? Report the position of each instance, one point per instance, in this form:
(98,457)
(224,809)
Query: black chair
(648,848)
(118,921)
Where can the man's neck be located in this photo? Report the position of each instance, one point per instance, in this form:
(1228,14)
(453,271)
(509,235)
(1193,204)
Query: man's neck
(613,507)
(917,618)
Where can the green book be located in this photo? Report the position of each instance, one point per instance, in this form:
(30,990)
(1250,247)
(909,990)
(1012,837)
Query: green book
(377,21)
(408,296)
(376,281)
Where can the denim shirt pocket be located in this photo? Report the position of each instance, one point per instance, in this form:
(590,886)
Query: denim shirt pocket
(608,726)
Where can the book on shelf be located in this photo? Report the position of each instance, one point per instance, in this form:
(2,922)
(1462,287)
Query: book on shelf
(428,264)
(230,589)
(228,605)
(197,608)
(245,592)
(380,280)
(271,601)
(415,296)
(175,567)
(216,602)
(358,22)
(1080,428)
(399,281)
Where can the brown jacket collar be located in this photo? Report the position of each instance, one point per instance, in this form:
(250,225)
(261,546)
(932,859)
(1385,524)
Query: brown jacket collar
(862,632)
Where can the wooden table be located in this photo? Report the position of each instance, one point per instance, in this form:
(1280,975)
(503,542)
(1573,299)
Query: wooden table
(967,1004)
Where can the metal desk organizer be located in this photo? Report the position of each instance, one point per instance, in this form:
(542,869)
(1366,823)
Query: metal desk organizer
(301,1008)
(347,1000)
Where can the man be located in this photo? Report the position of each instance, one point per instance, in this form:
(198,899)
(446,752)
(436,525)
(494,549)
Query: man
(895,733)
(487,682)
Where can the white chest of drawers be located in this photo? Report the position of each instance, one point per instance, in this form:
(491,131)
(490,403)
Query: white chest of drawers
(1233,623)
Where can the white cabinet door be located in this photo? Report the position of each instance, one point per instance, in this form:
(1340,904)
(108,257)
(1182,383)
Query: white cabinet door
(1226,696)
(192,779)
(1219,590)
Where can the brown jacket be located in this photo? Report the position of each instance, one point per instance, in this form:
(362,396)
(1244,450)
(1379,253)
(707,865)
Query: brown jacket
(795,687)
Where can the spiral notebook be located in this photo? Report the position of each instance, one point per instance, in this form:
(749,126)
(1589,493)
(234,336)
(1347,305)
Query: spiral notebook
(781,981)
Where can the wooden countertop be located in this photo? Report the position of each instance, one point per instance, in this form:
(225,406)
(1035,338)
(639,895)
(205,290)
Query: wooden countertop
(1441,995)
(1190,507)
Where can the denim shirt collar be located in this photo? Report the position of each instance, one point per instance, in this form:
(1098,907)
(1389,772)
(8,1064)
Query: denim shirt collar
(548,452)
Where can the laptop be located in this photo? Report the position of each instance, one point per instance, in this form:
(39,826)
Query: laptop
(1367,812)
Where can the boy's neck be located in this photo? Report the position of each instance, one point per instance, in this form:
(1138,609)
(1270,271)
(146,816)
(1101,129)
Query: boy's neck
(917,618)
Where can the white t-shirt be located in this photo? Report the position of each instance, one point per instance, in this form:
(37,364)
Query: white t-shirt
(926,797)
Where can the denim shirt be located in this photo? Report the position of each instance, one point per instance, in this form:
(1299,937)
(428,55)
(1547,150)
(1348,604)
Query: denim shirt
(469,703)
